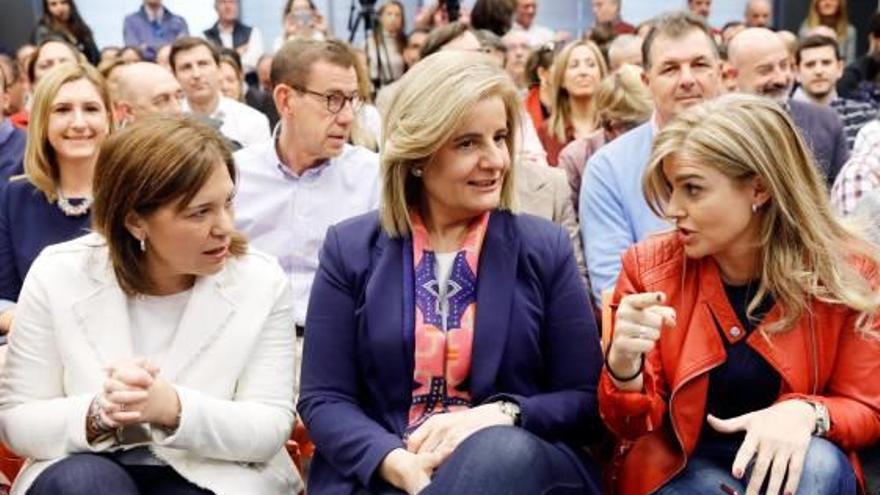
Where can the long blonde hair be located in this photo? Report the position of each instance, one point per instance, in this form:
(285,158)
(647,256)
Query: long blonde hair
(432,101)
(841,22)
(806,253)
(40,162)
(560,104)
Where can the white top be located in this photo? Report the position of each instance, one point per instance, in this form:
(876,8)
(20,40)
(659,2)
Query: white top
(538,35)
(240,122)
(287,214)
(154,322)
(254,49)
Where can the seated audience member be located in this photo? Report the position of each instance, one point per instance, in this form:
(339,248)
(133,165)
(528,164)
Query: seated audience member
(507,411)
(23,56)
(623,102)
(625,49)
(758,14)
(109,54)
(764,67)
(302,21)
(607,12)
(306,177)
(759,346)
(517,46)
(524,15)
(196,64)
(860,175)
(576,74)
(832,14)
(72,115)
(16,86)
(130,55)
(230,33)
(152,26)
(12,139)
(61,20)
(154,356)
(818,66)
(681,70)
(414,43)
(859,80)
(384,48)
(259,92)
(701,8)
(730,30)
(163,56)
(540,95)
(47,55)
(231,77)
(145,89)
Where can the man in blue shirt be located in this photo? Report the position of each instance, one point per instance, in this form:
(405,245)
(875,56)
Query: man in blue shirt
(12,140)
(151,27)
(682,69)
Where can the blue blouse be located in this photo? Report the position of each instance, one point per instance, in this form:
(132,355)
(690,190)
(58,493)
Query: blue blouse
(28,223)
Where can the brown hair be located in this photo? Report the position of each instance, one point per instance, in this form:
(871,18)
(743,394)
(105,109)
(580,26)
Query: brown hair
(40,164)
(188,43)
(292,64)
(839,22)
(157,161)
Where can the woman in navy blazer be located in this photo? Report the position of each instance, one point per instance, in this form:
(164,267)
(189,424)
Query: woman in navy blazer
(449,345)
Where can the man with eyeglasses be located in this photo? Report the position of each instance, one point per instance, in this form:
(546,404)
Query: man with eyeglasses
(294,186)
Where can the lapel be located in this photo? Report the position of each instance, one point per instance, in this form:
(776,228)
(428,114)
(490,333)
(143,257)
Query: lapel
(530,191)
(495,287)
(102,316)
(206,314)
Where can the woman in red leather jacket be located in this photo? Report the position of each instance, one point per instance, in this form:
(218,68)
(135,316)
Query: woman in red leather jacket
(745,351)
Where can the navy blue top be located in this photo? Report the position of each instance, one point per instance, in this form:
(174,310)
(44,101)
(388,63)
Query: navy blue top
(28,223)
(12,143)
(745,382)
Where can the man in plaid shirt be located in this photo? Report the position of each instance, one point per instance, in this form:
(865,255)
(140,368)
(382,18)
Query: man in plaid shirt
(819,67)
(861,174)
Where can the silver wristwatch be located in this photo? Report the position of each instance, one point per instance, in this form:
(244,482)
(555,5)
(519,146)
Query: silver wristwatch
(823,419)
(510,409)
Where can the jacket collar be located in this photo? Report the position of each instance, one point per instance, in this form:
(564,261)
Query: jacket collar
(102,315)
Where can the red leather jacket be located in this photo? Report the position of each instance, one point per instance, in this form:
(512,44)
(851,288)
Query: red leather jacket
(821,358)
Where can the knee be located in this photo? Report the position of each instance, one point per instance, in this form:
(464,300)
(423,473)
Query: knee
(502,448)
(82,474)
(826,470)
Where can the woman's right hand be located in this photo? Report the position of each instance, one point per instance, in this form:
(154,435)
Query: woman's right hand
(126,390)
(7,318)
(407,471)
(640,317)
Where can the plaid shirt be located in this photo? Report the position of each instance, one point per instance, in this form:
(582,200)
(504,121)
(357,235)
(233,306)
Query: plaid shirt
(853,114)
(861,174)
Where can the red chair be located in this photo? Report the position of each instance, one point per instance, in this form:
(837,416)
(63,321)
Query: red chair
(10,464)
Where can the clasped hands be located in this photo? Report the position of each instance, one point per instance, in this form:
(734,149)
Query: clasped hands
(410,469)
(134,393)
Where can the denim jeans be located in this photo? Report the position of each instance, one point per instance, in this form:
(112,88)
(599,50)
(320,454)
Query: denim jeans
(826,471)
(92,474)
(505,460)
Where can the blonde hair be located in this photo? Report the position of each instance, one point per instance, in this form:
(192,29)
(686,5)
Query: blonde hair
(805,252)
(624,97)
(157,161)
(40,163)
(841,23)
(560,104)
(431,103)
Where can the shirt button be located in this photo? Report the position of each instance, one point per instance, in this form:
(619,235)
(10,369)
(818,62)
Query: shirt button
(735,332)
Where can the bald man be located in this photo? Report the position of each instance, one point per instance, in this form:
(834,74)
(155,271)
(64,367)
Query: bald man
(762,65)
(144,89)
(759,13)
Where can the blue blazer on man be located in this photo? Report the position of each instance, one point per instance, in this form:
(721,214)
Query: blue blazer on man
(535,343)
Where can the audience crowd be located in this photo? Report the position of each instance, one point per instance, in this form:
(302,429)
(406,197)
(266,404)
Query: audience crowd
(471,255)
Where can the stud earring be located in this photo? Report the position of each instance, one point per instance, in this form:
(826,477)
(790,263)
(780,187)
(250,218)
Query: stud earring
(143,244)
(417,172)
(754,208)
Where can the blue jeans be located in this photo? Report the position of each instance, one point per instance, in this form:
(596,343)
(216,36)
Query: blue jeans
(826,471)
(92,474)
(505,460)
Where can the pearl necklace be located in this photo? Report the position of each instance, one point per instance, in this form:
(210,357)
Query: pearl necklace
(70,210)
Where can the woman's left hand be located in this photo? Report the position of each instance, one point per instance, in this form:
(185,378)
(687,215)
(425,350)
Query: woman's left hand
(778,436)
(442,433)
(134,387)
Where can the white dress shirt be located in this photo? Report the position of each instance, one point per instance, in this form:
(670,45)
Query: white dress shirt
(287,215)
(240,122)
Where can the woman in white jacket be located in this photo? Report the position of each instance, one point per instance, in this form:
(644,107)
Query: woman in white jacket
(156,354)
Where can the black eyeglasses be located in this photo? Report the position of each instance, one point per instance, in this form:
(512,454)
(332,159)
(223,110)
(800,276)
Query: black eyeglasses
(336,100)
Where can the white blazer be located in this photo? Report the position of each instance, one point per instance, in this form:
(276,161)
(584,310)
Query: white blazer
(231,361)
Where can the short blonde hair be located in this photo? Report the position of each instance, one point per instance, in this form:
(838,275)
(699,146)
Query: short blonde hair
(40,164)
(806,253)
(432,101)
(156,161)
(624,97)
(560,104)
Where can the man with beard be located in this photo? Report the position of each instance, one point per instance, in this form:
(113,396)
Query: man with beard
(763,66)
(681,70)
(819,67)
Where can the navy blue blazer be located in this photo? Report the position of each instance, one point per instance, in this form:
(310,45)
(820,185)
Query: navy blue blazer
(535,343)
